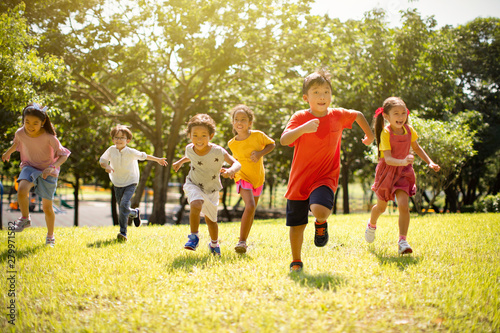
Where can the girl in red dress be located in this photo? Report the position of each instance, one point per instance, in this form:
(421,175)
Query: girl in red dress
(394,177)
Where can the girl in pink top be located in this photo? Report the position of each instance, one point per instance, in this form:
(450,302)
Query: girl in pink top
(394,176)
(41,157)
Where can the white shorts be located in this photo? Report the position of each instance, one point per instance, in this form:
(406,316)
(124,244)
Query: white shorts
(210,201)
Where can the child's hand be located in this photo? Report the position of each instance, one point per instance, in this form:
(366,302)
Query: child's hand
(47,171)
(434,166)
(6,157)
(311,126)
(177,165)
(409,159)
(109,169)
(255,156)
(227,173)
(367,141)
(162,161)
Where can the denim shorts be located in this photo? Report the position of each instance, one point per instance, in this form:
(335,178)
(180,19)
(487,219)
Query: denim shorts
(297,211)
(45,188)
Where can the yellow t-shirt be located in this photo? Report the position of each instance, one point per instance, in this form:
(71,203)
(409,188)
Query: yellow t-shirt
(252,172)
(385,139)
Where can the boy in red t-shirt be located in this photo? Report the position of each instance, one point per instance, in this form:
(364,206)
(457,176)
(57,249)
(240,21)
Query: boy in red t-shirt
(315,134)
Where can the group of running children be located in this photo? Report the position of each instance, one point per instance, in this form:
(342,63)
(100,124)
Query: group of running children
(314,133)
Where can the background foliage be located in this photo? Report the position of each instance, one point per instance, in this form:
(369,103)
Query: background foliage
(154,64)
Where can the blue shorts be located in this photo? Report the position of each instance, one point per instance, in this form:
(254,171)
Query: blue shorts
(45,188)
(297,211)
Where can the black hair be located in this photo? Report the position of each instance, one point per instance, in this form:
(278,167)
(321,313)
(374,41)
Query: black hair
(201,119)
(36,110)
(321,76)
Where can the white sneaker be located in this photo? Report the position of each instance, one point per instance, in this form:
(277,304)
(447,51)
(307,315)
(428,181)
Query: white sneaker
(20,224)
(50,241)
(369,233)
(241,247)
(404,247)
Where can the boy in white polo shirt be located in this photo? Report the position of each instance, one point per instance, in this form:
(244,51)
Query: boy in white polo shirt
(120,162)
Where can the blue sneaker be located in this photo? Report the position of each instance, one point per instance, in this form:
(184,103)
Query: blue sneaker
(192,243)
(214,250)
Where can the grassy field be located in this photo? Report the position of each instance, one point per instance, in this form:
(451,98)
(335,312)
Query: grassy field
(91,283)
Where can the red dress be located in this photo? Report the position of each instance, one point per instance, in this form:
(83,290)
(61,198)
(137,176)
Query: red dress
(389,178)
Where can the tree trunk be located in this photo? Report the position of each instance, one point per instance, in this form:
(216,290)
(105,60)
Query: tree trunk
(114,211)
(146,171)
(345,189)
(76,198)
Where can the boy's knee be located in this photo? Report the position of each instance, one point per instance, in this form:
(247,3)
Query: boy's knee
(320,212)
(196,205)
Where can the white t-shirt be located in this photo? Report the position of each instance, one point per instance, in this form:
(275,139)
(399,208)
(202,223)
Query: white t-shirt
(124,164)
(205,170)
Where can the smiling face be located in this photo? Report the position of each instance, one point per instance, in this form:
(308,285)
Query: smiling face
(396,117)
(241,123)
(200,136)
(120,140)
(33,125)
(319,97)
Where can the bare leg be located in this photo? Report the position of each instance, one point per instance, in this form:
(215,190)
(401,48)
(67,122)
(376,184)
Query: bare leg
(213,228)
(377,210)
(321,213)
(404,212)
(296,240)
(194,215)
(248,213)
(23,192)
(50,216)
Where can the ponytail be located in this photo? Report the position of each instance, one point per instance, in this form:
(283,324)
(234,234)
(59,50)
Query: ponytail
(36,110)
(378,126)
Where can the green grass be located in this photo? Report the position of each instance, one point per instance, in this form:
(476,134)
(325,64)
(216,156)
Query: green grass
(91,283)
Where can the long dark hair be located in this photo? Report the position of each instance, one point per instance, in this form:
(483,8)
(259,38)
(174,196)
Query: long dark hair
(36,110)
(378,119)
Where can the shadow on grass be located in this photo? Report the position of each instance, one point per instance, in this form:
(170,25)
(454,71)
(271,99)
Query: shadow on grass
(103,243)
(187,261)
(320,281)
(19,254)
(402,262)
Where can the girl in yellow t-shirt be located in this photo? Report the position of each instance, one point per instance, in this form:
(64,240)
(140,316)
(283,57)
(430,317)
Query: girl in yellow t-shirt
(248,148)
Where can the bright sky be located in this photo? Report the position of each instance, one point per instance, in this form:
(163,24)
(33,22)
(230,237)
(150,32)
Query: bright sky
(453,12)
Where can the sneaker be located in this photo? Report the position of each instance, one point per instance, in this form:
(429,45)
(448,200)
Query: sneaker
(321,234)
(50,241)
(241,247)
(369,233)
(137,219)
(20,224)
(214,250)
(296,266)
(121,237)
(192,243)
(404,247)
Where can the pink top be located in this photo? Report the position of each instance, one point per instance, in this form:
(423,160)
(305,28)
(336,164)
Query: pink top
(39,152)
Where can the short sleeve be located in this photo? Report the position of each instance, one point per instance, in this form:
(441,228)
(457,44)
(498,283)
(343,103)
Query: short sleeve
(414,135)
(105,157)
(385,140)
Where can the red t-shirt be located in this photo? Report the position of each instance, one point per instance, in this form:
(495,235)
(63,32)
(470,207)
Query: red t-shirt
(316,157)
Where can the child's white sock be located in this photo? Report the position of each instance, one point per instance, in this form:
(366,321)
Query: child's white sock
(214,243)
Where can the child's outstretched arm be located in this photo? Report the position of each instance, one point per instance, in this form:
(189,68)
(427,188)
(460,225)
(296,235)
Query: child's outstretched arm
(6,155)
(255,156)
(423,155)
(289,137)
(160,160)
(177,165)
(369,137)
(235,167)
